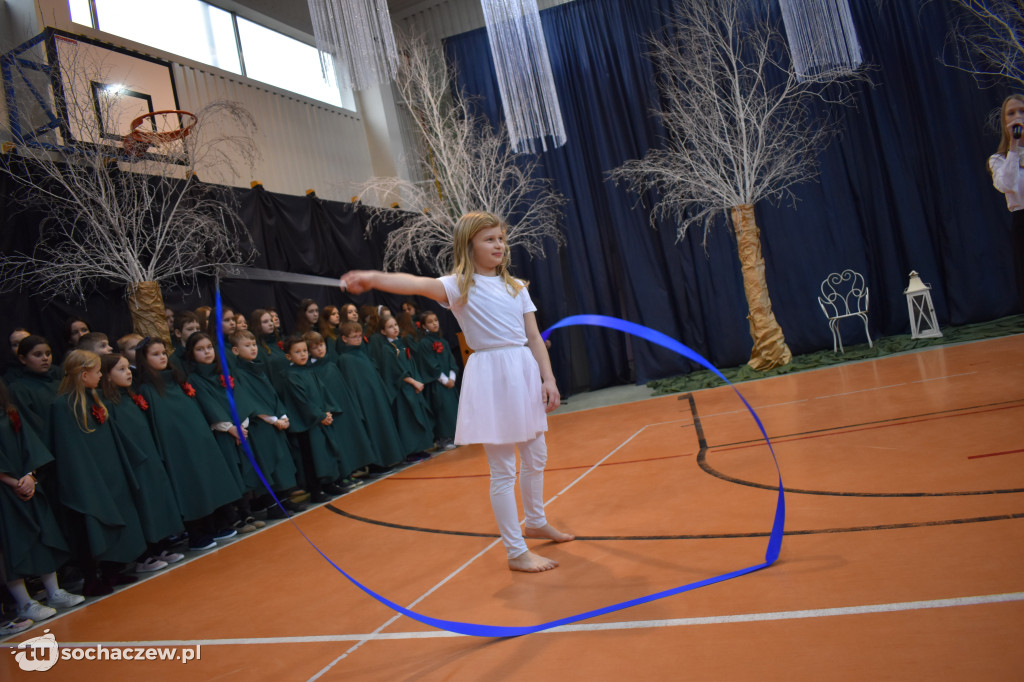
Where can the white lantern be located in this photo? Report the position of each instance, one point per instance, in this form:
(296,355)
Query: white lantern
(923,324)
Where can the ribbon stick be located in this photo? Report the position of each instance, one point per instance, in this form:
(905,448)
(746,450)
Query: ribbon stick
(479,630)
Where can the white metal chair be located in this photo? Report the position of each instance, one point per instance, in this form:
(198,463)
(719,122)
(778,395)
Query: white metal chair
(844,294)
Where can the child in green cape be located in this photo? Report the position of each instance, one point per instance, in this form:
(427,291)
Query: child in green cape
(30,539)
(203,484)
(95,481)
(371,394)
(154,497)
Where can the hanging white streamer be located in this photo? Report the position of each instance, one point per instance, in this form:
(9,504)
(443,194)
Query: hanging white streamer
(821,36)
(521,62)
(357,35)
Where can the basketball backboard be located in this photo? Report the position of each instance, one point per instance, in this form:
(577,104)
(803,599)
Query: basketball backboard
(67,91)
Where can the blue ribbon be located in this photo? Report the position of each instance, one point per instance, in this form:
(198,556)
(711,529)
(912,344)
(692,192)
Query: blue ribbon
(478,630)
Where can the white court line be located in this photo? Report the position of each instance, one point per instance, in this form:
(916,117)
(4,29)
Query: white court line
(948,376)
(863,390)
(756,407)
(363,639)
(865,609)
(377,633)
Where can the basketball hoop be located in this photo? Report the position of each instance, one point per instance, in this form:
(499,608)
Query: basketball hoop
(138,141)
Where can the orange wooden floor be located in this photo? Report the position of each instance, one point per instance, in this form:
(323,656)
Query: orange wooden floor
(903,559)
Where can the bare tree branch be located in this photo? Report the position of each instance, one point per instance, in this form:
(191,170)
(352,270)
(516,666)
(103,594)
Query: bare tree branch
(471,168)
(990,40)
(740,126)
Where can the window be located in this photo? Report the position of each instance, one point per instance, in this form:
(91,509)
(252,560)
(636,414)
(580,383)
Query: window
(276,59)
(198,31)
(190,28)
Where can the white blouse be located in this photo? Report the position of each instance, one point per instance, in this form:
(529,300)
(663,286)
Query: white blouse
(1008,178)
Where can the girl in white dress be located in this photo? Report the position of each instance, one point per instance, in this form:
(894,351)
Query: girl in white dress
(508,386)
(1007,166)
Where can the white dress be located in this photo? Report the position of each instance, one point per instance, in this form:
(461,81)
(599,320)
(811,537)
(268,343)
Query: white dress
(501,399)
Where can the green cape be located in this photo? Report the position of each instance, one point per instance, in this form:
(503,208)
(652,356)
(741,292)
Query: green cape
(155,499)
(95,480)
(368,387)
(199,475)
(30,538)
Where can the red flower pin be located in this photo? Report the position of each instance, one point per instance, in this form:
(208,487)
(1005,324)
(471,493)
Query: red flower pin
(189,391)
(15,418)
(408,353)
(140,401)
(224,383)
(438,347)
(280,344)
(99,414)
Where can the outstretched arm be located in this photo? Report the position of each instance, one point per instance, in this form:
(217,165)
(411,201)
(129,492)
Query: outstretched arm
(359,281)
(548,389)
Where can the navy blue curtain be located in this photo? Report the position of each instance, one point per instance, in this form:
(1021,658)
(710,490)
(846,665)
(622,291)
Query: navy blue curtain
(904,187)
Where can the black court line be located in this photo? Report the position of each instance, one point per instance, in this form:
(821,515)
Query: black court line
(702,460)
(693,536)
(1006,404)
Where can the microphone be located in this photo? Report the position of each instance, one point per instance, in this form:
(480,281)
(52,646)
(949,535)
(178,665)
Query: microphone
(1017,129)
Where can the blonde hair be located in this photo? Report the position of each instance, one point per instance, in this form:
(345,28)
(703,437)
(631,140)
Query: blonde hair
(1004,141)
(76,362)
(468,227)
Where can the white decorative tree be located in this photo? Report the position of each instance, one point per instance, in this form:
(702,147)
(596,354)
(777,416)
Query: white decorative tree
(739,127)
(131,220)
(470,166)
(990,40)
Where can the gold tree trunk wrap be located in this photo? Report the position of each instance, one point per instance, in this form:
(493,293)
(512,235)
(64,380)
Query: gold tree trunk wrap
(770,349)
(147,307)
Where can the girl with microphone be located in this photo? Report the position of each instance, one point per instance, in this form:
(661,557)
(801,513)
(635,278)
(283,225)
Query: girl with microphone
(1007,167)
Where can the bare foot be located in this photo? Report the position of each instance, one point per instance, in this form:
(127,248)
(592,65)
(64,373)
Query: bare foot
(547,532)
(531,563)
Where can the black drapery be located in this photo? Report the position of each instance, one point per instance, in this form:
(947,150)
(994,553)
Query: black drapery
(292,234)
(904,187)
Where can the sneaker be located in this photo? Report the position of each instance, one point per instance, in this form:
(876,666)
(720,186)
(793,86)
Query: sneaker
(359,473)
(417,457)
(299,496)
(242,527)
(202,543)
(150,564)
(376,470)
(36,611)
(170,557)
(15,626)
(294,507)
(225,533)
(118,579)
(318,498)
(179,539)
(290,507)
(253,521)
(62,599)
(450,445)
(94,587)
(334,489)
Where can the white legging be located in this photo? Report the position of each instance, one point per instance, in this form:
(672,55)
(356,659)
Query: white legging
(502,460)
